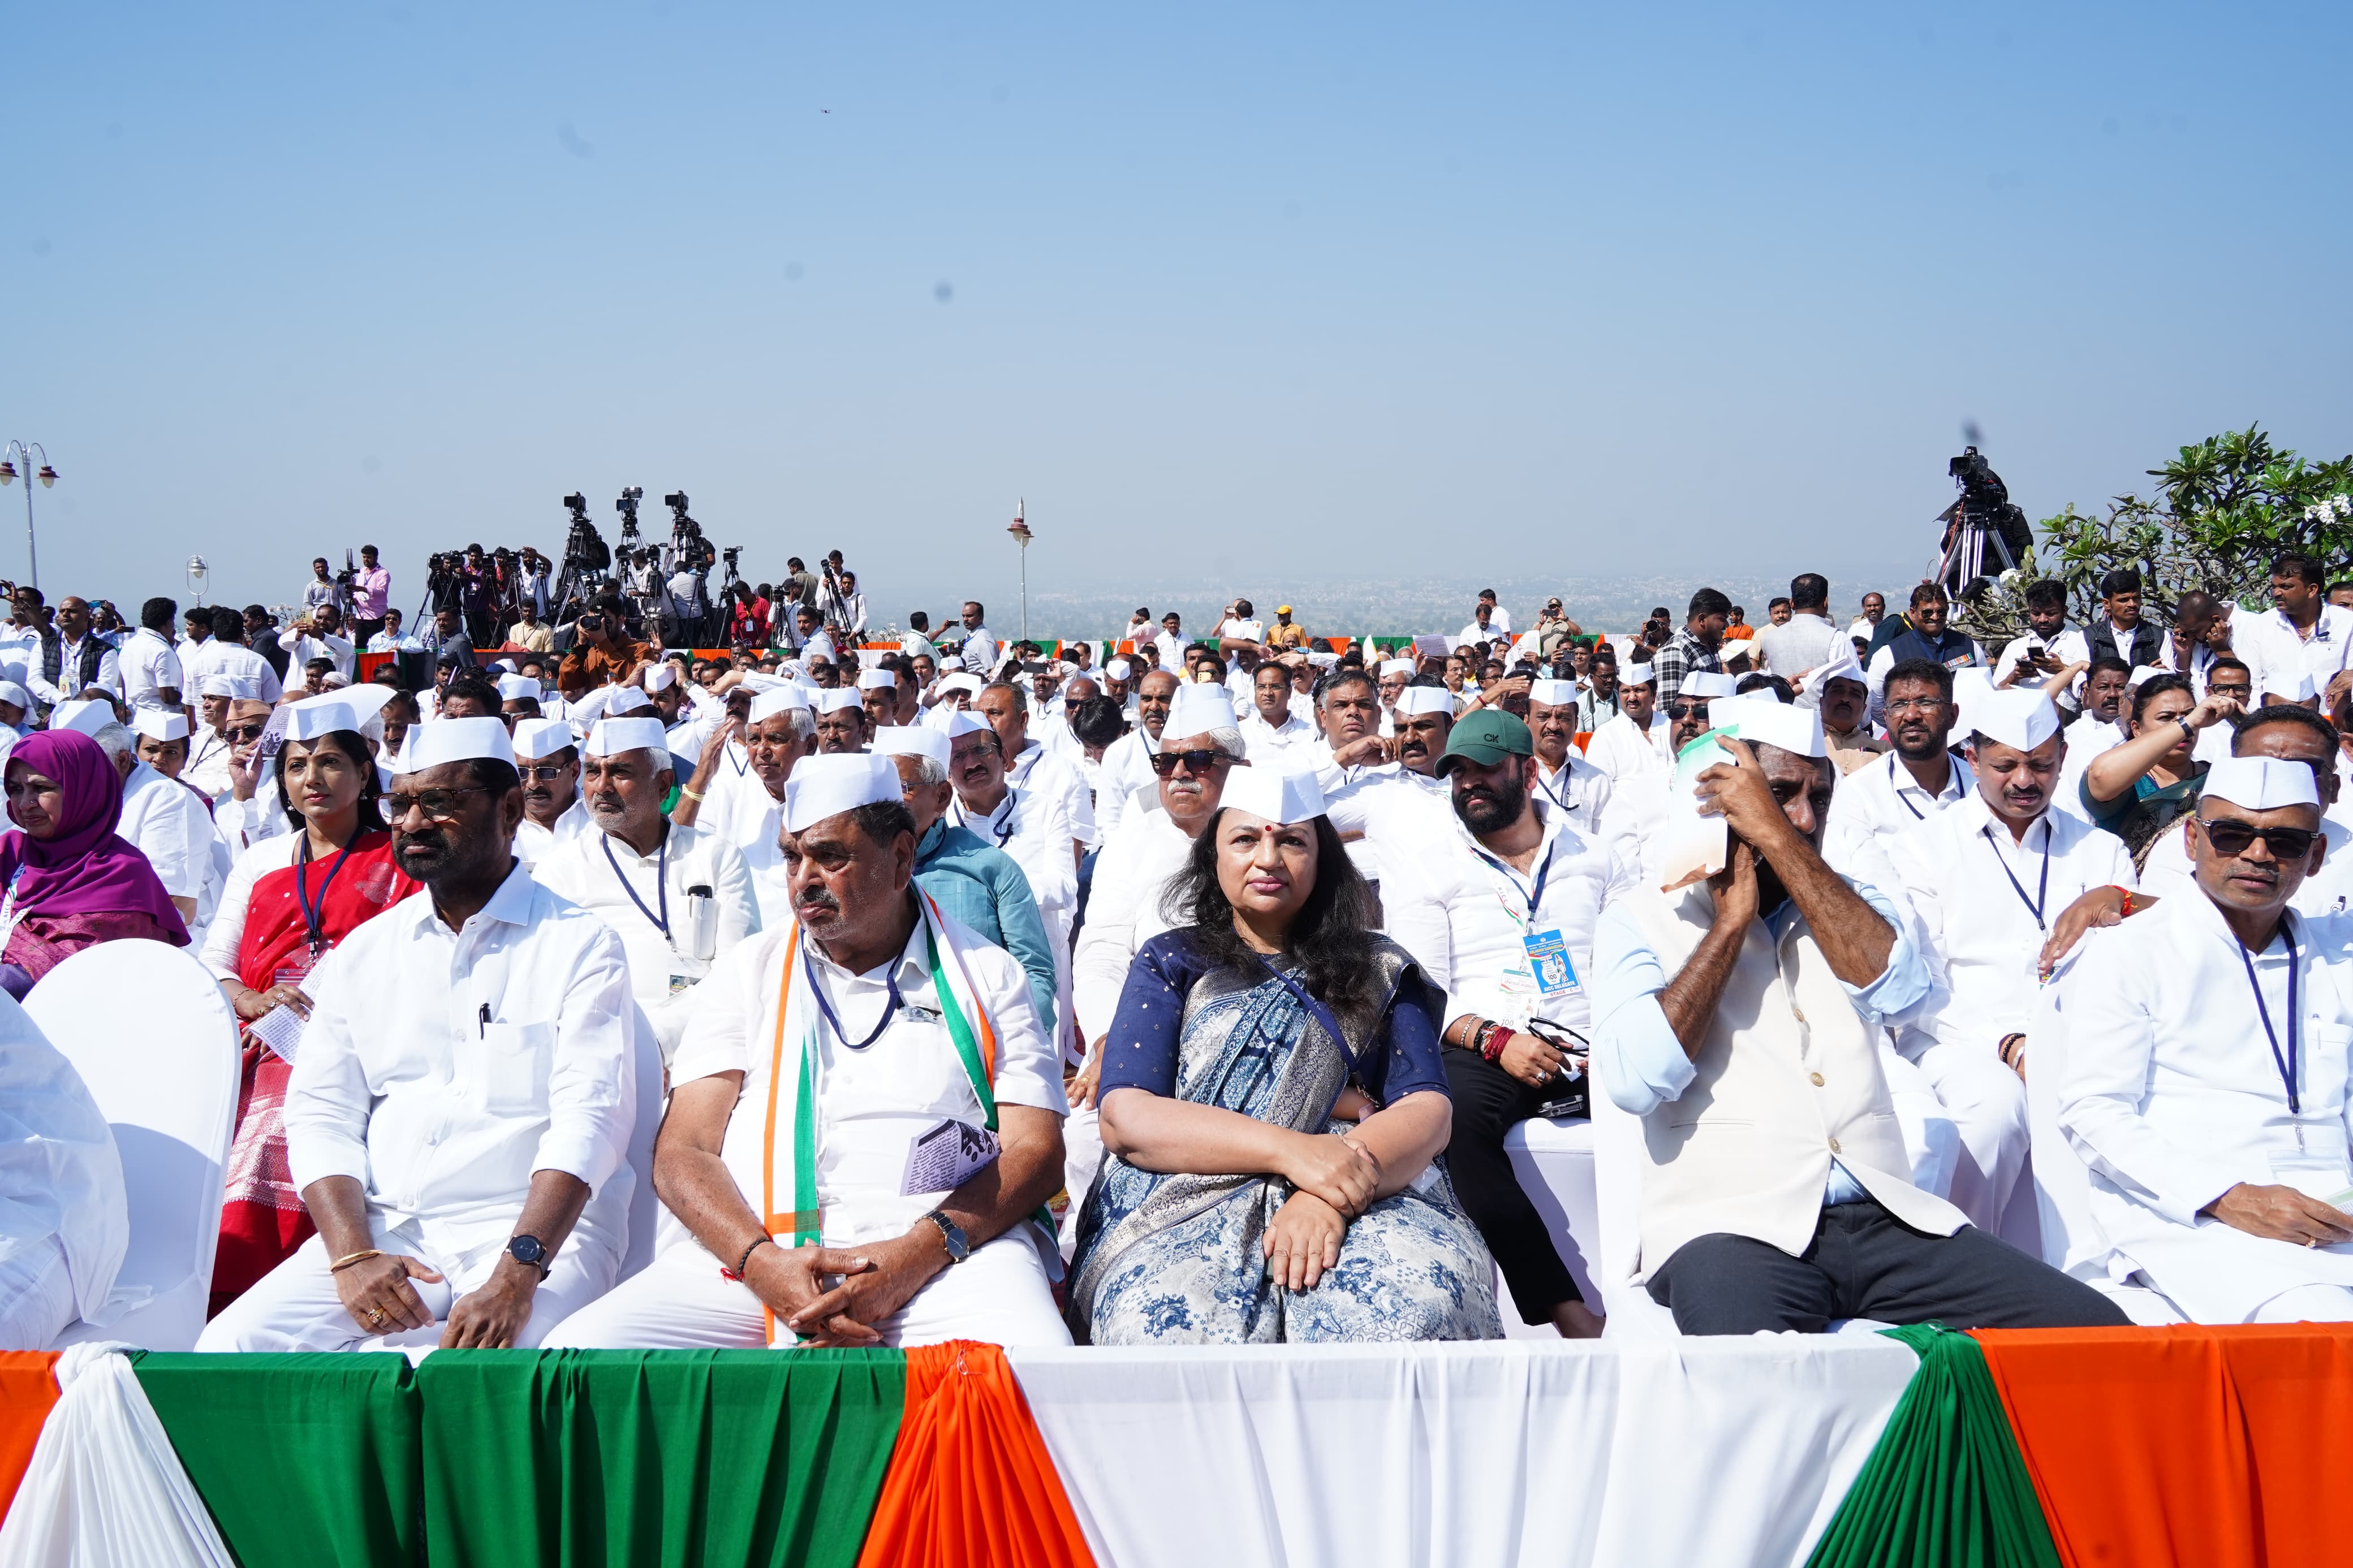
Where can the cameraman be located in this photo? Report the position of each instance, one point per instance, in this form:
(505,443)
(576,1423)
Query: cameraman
(689,607)
(602,652)
(477,598)
(369,589)
(534,588)
(322,588)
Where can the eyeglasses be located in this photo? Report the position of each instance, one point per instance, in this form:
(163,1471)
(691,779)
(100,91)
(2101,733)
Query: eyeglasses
(546,772)
(1679,711)
(245,731)
(1197,763)
(2231,838)
(439,805)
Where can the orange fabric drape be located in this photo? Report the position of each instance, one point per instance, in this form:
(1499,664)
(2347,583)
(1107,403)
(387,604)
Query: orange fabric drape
(970,1484)
(2209,1446)
(28,1387)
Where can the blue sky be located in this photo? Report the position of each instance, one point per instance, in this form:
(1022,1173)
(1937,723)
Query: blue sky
(1236,292)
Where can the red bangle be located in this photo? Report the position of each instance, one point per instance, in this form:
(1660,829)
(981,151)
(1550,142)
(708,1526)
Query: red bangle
(1496,1042)
(2127,897)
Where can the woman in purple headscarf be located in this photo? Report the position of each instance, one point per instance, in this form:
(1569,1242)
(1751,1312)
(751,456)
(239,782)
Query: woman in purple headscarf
(66,881)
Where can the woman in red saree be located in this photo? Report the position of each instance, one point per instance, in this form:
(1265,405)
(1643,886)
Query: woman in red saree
(290,899)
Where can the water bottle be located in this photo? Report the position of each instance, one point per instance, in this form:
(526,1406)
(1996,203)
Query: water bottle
(699,924)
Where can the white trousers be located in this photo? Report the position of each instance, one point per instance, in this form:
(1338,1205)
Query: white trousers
(681,1301)
(1083,1157)
(2307,1304)
(294,1307)
(1988,1104)
(37,1296)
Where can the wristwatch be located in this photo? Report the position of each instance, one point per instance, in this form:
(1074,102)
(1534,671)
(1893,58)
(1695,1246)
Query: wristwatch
(529,1250)
(953,1234)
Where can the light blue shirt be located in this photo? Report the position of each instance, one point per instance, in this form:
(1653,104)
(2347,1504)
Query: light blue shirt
(1635,1048)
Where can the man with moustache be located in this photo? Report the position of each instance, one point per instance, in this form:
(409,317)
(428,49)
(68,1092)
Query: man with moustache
(2291,732)
(840,722)
(1031,769)
(459,1118)
(1999,882)
(776,733)
(1920,777)
(1425,714)
(1757,997)
(1634,742)
(1031,826)
(820,1069)
(878,693)
(1563,774)
(547,759)
(1352,744)
(246,812)
(1127,761)
(678,898)
(1498,906)
(1928,637)
(2207,1075)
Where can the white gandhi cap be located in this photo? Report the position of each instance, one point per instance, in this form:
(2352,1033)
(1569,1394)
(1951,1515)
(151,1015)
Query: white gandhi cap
(1416,700)
(150,723)
(1760,718)
(1197,710)
(1553,693)
(438,741)
(537,738)
(615,737)
(826,785)
(2262,783)
(913,741)
(1280,798)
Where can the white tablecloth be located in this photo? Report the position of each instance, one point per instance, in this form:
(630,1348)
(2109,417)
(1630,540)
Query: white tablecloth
(1724,1451)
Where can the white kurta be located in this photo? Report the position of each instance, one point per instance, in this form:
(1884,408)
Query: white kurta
(1624,752)
(1881,800)
(171,827)
(630,893)
(1123,912)
(2167,873)
(2173,1096)
(1126,768)
(1039,773)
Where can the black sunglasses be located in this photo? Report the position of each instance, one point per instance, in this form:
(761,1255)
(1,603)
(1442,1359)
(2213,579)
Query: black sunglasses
(2231,838)
(1197,763)
(1678,711)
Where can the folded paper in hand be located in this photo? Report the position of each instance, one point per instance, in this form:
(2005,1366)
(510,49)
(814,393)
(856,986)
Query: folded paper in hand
(945,1157)
(281,1029)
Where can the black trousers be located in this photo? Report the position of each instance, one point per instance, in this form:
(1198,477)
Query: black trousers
(1488,1101)
(1864,1262)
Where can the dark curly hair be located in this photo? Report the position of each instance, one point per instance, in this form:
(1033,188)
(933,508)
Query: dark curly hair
(1331,938)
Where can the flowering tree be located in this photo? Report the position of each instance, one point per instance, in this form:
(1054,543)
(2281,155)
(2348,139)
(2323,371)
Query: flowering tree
(2222,510)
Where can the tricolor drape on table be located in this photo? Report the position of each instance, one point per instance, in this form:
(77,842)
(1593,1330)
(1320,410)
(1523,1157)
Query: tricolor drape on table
(2095,1446)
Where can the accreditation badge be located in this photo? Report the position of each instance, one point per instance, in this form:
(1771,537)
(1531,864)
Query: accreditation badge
(1548,962)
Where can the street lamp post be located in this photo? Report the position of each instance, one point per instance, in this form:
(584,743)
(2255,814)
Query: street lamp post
(21,452)
(198,574)
(1019,530)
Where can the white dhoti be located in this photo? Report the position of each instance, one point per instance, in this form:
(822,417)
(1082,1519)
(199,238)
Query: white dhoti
(37,1296)
(2307,1304)
(1000,1295)
(1988,1104)
(295,1307)
(1083,1157)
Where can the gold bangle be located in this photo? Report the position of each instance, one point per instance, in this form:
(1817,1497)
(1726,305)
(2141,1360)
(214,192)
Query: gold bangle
(694,795)
(340,1264)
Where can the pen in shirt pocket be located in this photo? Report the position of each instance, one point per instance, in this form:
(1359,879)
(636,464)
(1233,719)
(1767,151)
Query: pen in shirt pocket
(482,1023)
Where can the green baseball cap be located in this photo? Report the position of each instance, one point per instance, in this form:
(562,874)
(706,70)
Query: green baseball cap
(1486,738)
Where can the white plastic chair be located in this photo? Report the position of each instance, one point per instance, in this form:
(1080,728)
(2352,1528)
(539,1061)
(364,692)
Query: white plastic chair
(651,1225)
(151,1034)
(1554,1162)
(2072,1241)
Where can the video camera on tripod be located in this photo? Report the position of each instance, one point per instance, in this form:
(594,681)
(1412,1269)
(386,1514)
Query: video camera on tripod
(628,507)
(1984,531)
(688,550)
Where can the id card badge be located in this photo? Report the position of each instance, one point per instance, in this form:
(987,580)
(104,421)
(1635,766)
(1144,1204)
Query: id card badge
(1548,962)
(2315,1174)
(294,968)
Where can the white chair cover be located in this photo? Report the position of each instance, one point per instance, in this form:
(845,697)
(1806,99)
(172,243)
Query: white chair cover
(153,1037)
(651,1225)
(1553,1161)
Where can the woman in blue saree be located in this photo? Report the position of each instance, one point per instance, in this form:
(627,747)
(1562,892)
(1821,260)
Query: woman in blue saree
(1272,1103)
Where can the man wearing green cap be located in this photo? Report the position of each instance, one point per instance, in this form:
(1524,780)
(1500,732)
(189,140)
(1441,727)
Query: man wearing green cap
(1498,898)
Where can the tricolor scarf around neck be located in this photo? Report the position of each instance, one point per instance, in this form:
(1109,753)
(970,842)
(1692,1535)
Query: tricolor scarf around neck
(788,1171)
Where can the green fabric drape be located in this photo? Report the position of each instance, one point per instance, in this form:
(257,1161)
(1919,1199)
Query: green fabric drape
(594,1457)
(306,1461)
(1945,1484)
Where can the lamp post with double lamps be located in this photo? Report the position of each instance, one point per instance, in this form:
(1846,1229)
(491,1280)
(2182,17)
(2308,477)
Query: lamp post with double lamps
(21,454)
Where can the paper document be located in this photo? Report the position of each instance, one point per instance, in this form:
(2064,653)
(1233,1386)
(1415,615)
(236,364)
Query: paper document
(281,1029)
(945,1157)
(1691,847)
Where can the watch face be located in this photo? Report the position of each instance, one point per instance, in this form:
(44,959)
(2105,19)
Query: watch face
(526,1249)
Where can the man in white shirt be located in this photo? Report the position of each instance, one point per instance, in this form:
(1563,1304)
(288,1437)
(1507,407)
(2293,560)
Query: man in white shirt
(1481,629)
(84,658)
(150,667)
(1498,906)
(2048,644)
(1030,768)
(2302,634)
(1170,643)
(1240,626)
(2106,689)
(981,648)
(1807,640)
(738,789)
(1740,1017)
(1634,742)
(318,635)
(1032,826)
(1996,882)
(224,653)
(459,1117)
(1919,777)
(1563,775)
(859,1003)
(2207,1070)
(547,759)
(678,898)
(1127,761)
(1272,733)
(393,638)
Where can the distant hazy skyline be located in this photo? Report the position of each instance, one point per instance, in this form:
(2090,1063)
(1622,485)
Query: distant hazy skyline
(1237,292)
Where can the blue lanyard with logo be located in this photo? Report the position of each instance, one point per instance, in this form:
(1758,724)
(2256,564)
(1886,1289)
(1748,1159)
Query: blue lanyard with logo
(313,918)
(2287,1068)
(661,882)
(2034,906)
(1535,894)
